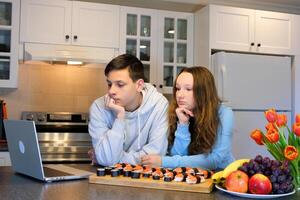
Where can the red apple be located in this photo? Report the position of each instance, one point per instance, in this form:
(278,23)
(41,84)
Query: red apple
(260,184)
(237,181)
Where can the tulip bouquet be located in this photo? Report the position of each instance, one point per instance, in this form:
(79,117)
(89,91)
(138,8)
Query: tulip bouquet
(280,141)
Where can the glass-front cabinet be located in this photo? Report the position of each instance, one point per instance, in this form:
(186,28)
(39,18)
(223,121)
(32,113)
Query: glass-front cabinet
(176,46)
(9,29)
(138,37)
(162,40)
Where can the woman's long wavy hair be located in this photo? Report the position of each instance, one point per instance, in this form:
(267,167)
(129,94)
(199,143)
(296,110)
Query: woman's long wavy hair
(203,126)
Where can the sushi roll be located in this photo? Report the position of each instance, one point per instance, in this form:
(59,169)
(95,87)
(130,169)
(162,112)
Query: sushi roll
(179,177)
(203,172)
(108,170)
(189,170)
(127,170)
(157,175)
(100,172)
(168,177)
(147,172)
(114,172)
(190,179)
(138,168)
(178,170)
(135,174)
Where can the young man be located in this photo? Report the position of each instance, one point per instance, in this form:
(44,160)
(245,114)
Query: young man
(131,120)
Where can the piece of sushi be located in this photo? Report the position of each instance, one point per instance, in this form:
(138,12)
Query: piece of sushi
(168,176)
(179,177)
(127,170)
(178,170)
(203,172)
(147,172)
(135,174)
(115,172)
(107,170)
(157,175)
(100,172)
(190,179)
(189,170)
(138,168)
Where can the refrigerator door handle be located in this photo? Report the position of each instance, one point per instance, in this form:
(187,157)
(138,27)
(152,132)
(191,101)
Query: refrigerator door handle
(223,83)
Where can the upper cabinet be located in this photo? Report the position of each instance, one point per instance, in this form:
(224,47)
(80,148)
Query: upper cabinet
(162,40)
(251,30)
(175,46)
(9,33)
(70,22)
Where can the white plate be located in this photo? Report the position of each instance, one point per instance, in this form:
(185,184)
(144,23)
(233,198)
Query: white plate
(255,196)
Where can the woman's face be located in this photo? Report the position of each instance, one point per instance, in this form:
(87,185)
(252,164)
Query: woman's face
(184,91)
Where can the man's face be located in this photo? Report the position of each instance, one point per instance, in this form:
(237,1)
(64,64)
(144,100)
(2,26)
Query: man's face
(121,88)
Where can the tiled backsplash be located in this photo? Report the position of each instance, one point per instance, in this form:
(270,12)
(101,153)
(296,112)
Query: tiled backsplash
(47,87)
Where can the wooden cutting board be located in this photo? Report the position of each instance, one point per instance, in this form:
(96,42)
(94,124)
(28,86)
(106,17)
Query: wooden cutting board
(205,187)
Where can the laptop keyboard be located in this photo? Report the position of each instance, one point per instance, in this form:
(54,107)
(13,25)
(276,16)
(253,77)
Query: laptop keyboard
(53,172)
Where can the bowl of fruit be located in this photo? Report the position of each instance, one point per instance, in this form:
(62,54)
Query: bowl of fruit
(260,177)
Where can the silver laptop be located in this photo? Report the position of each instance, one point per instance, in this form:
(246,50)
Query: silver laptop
(26,158)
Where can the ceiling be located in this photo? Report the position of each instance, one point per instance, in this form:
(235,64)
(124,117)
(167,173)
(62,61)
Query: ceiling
(289,6)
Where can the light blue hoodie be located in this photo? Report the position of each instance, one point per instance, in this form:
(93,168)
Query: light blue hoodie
(143,131)
(220,155)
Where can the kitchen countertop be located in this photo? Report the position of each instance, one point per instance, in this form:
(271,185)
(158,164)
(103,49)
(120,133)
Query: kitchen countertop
(16,186)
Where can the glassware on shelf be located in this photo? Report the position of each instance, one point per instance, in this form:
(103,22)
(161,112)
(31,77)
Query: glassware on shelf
(131,24)
(5,13)
(168,76)
(169,52)
(131,46)
(4,68)
(145,26)
(5,40)
(182,29)
(169,28)
(147,72)
(181,53)
(145,50)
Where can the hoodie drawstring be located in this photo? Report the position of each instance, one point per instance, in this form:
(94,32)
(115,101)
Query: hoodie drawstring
(139,127)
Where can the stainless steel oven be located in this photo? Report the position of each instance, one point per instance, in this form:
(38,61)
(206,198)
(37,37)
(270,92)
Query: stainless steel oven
(63,136)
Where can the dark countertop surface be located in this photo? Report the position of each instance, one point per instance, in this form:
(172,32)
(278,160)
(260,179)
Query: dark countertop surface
(16,186)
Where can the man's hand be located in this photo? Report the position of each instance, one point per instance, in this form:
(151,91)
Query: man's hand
(92,156)
(110,103)
(152,160)
(183,115)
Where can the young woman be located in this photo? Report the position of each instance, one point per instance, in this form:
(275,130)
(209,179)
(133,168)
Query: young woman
(200,126)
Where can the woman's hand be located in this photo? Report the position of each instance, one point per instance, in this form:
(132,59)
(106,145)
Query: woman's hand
(183,115)
(152,160)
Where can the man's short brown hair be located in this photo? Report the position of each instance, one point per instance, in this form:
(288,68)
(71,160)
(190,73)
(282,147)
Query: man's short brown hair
(134,65)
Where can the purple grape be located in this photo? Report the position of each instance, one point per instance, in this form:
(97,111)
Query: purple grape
(243,168)
(281,178)
(258,159)
(276,172)
(273,178)
(289,178)
(267,173)
(275,186)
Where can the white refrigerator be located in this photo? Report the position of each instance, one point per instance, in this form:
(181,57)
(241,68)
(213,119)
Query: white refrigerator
(251,84)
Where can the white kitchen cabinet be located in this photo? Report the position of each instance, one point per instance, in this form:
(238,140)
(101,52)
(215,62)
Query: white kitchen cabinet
(5,159)
(70,22)
(138,37)
(175,47)
(9,34)
(162,40)
(249,30)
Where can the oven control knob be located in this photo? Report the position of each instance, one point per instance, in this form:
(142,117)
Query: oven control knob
(41,118)
(29,117)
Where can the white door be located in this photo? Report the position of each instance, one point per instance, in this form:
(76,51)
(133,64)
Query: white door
(257,82)
(244,123)
(95,24)
(274,32)
(232,28)
(46,21)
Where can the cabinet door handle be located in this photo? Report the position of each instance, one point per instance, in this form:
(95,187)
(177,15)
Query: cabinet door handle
(160,86)
(258,45)
(75,37)
(252,44)
(67,37)
(154,85)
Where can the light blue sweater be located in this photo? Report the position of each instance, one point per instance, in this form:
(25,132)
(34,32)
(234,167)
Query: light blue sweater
(220,155)
(143,131)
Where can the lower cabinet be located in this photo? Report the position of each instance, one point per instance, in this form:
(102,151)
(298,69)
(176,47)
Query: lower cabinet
(5,159)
